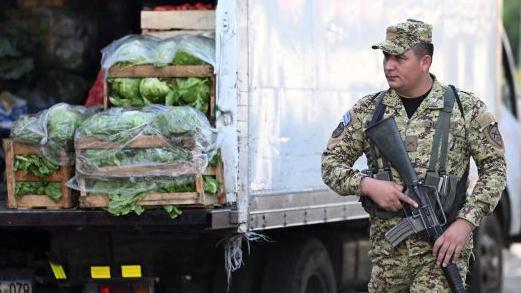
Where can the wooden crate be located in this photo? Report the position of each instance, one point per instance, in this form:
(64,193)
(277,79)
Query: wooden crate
(31,201)
(169,71)
(196,199)
(178,20)
(173,33)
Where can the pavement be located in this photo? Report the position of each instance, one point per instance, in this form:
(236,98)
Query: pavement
(512,269)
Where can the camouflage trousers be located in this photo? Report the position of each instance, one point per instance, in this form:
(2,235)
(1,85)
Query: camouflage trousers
(410,266)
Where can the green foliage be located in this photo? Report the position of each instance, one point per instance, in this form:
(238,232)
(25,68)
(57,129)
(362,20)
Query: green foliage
(62,123)
(127,88)
(211,185)
(93,159)
(35,164)
(154,90)
(28,129)
(136,92)
(124,194)
(51,189)
(173,211)
(185,58)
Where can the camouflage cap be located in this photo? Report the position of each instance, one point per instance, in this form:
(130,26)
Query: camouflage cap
(405,35)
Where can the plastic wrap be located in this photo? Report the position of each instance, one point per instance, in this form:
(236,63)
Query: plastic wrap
(139,49)
(52,129)
(154,141)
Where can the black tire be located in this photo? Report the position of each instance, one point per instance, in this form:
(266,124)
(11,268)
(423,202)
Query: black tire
(487,267)
(301,266)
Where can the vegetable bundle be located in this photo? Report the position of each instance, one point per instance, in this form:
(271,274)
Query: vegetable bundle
(139,92)
(52,129)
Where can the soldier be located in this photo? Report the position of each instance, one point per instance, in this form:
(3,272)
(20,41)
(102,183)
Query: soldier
(416,99)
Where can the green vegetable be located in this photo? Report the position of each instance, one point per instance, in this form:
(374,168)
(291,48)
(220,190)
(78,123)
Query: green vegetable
(185,58)
(127,88)
(93,159)
(173,211)
(153,90)
(215,160)
(179,120)
(51,189)
(62,123)
(193,91)
(117,125)
(211,185)
(124,193)
(28,129)
(35,164)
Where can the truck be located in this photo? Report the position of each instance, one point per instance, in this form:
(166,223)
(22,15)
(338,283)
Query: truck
(286,72)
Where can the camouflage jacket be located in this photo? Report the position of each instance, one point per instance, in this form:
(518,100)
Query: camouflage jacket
(474,135)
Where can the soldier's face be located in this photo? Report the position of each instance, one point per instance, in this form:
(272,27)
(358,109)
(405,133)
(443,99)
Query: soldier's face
(405,72)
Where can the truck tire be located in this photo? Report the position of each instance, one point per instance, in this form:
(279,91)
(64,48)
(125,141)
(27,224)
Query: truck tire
(487,267)
(301,266)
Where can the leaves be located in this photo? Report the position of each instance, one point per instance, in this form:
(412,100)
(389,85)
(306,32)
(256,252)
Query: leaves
(136,92)
(35,164)
(211,185)
(51,189)
(173,211)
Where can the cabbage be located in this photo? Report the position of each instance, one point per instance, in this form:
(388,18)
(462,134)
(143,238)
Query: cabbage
(62,123)
(127,88)
(153,89)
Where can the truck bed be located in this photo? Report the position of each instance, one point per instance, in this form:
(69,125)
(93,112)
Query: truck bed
(201,218)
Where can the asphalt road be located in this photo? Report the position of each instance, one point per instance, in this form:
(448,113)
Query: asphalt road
(512,269)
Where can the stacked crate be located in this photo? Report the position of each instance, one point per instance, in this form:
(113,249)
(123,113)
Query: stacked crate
(165,24)
(198,198)
(12,149)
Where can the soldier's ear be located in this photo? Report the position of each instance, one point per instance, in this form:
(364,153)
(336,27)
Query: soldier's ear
(425,62)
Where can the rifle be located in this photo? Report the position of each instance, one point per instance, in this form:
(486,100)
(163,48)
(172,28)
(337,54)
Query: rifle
(385,135)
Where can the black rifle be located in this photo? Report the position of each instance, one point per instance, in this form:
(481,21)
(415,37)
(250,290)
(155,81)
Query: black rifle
(385,135)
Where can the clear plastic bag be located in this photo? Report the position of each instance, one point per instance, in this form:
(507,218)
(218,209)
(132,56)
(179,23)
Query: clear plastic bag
(52,129)
(140,49)
(155,141)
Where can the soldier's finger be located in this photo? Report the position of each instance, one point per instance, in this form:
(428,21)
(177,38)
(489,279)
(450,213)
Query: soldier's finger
(441,253)
(457,253)
(408,200)
(436,246)
(448,255)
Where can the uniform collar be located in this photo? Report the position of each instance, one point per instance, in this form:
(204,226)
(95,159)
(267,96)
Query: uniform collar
(434,99)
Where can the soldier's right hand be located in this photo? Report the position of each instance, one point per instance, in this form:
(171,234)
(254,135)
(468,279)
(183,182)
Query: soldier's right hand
(386,194)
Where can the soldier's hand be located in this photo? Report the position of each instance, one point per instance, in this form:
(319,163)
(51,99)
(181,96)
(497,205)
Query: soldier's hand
(386,194)
(448,247)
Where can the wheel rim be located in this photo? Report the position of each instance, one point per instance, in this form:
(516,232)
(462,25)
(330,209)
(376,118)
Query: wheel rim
(490,264)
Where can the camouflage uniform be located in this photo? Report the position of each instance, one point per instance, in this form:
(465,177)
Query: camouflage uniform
(411,265)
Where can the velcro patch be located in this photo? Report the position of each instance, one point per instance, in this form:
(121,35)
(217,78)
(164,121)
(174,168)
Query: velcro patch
(346,119)
(338,130)
(494,136)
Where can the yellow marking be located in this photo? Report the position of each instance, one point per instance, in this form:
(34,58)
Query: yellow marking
(100,272)
(58,271)
(133,271)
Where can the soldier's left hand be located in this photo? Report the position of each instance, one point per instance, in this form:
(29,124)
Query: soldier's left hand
(448,247)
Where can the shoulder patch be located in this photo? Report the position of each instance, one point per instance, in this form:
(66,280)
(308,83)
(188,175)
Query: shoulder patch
(494,136)
(346,119)
(338,130)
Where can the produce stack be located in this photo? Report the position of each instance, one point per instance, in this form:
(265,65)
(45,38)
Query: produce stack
(39,156)
(153,144)
(166,21)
